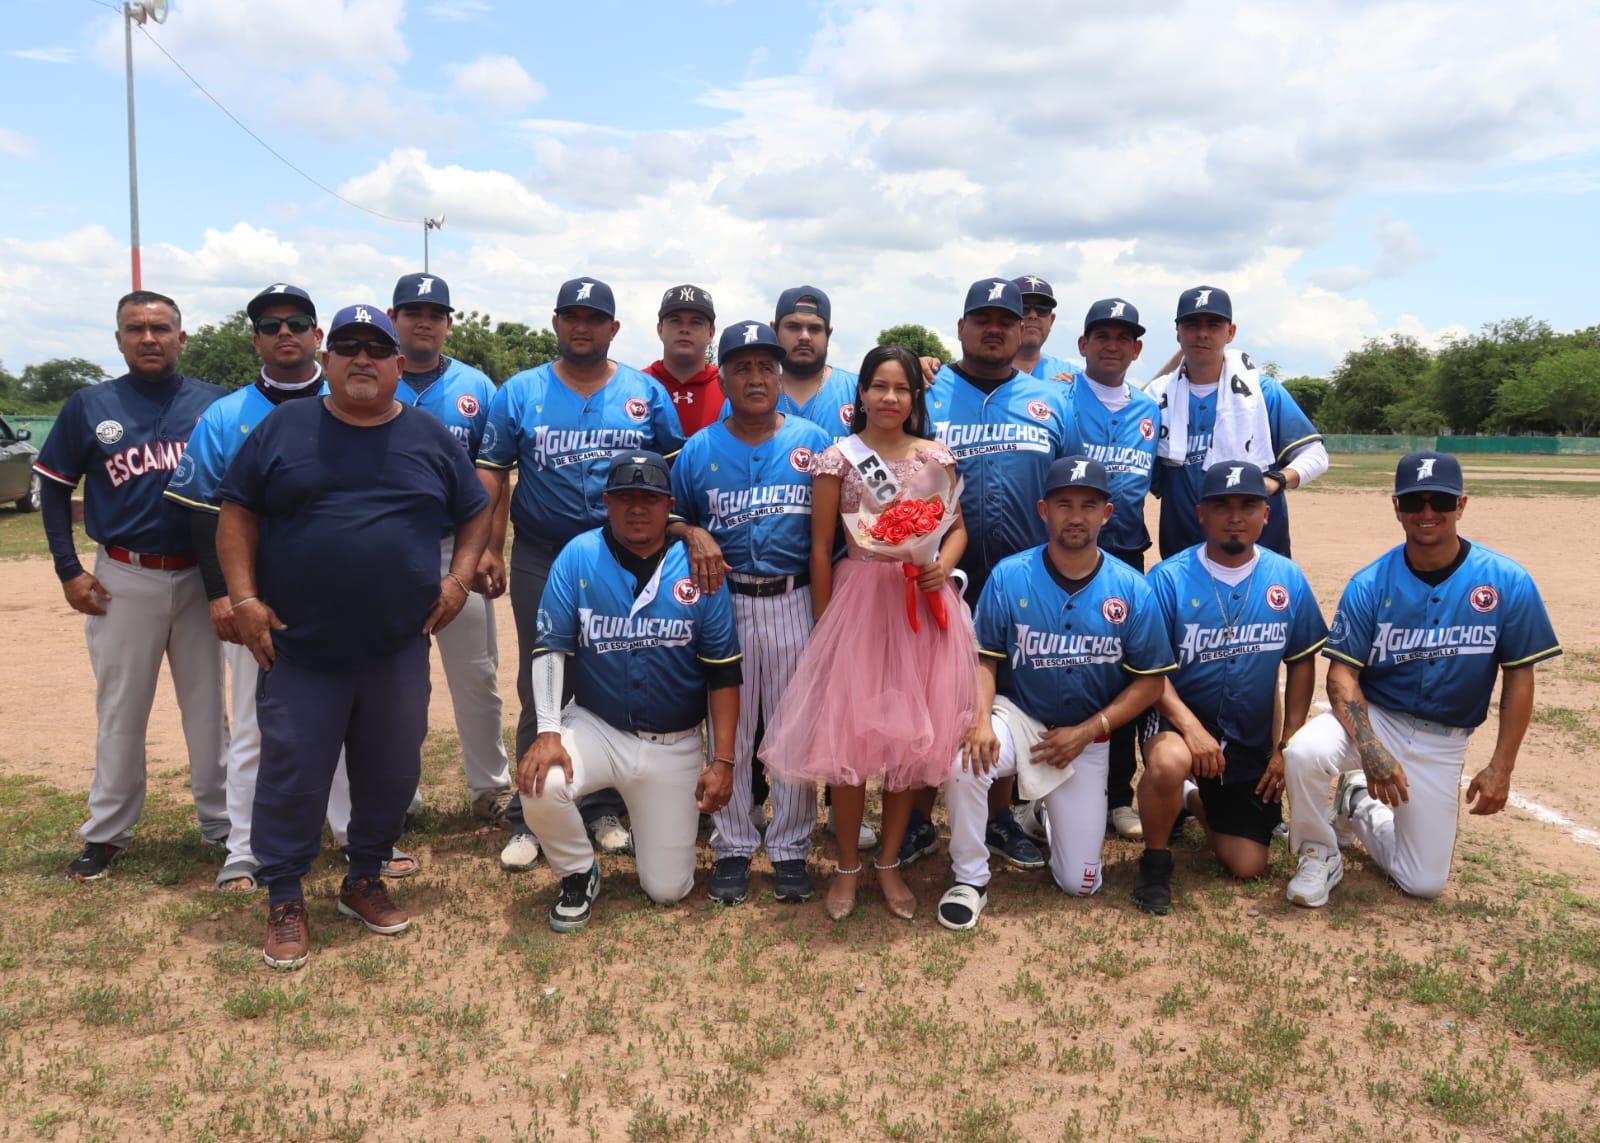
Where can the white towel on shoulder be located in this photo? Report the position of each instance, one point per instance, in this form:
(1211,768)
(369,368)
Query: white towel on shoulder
(1243,430)
(1034,779)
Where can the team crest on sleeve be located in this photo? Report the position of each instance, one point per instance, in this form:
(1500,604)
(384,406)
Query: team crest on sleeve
(467,405)
(1038,410)
(637,408)
(1115,610)
(685,592)
(108,432)
(847,412)
(1338,629)
(1483,598)
(1147,428)
(800,459)
(1278,597)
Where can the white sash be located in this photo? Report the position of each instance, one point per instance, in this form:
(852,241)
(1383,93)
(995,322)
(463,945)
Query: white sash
(877,480)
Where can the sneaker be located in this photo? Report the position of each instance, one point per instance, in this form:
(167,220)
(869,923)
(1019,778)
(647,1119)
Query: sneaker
(791,881)
(730,880)
(94,862)
(1125,820)
(1282,830)
(1007,842)
(609,835)
(490,806)
(288,935)
(1351,788)
(520,852)
(865,840)
(368,901)
(573,907)
(961,906)
(1152,888)
(920,840)
(1032,819)
(1314,879)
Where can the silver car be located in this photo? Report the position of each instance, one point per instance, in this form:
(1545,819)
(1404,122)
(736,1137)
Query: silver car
(18,482)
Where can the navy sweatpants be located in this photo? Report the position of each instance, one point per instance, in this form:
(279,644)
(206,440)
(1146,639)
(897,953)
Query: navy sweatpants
(379,715)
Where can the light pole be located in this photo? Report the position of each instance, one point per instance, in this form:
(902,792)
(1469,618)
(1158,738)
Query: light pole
(140,10)
(427,225)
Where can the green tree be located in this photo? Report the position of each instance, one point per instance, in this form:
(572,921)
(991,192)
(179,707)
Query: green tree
(1472,369)
(52,382)
(222,353)
(1383,372)
(499,350)
(919,339)
(1309,393)
(1560,393)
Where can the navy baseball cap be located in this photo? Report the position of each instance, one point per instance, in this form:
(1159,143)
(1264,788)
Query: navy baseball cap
(687,298)
(1033,286)
(1077,472)
(1233,478)
(1428,472)
(994,294)
(804,300)
(1113,311)
(590,292)
(749,335)
(363,317)
(280,294)
(646,471)
(1205,300)
(422,290)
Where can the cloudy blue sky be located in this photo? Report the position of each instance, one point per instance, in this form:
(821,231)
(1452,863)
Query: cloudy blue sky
(1344,169)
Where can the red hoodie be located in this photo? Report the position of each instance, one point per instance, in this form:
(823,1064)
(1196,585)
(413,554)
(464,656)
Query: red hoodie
(697,400)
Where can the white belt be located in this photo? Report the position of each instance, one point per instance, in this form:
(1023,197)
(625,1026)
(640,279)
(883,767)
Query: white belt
(665,738)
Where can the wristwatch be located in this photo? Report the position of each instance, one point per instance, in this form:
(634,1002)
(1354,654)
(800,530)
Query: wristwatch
(1283,481)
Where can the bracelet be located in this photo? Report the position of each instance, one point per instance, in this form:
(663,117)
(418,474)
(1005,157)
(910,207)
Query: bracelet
(459,582)
(729,761)
(1105,723)
(232,607)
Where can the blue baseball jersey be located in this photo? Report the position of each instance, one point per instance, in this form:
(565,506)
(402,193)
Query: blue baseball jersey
(459,399)
(562,443)
(1230,681)
(1179,485)
(1070,654)
(1125,442)
(637,663)
(214,443)
(1004,443)
(754,500)
(124,439)
(1432,652)
(1048,368)
(831,407)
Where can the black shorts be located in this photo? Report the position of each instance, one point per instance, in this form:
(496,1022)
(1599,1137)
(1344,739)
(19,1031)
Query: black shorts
(1232,808)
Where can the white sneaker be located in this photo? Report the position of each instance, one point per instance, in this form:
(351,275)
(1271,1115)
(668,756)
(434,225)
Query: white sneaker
(865,840)
(610,835)
(1314,879)
(1344,804)
(520,853)
(1032,818)
(1125,820)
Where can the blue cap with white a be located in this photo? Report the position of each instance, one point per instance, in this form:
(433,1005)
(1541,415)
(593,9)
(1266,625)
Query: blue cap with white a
(1077,472)
(366,316)
(1033,286)
(422,290)
(1233,478)
(1428,472)
(590,292)
(994,294)
(804,300)
(749,335)
(1205,300)
(1113,311)
(280,294)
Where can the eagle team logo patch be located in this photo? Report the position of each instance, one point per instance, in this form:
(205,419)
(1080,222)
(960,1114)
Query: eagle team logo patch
(847,413)
(1147,428)
(108,432)
(1038,410)
(1483,598)
(1115,610)
(800,459)
(467,405)
(1278,597)
(685,592)
(636,408)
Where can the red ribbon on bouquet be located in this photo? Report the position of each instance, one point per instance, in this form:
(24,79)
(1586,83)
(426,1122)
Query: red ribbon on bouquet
(935,601)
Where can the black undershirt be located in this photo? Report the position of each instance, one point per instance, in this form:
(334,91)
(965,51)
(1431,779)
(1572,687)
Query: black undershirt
(1072,586)
(1438,575)
(642,568)
(986,385)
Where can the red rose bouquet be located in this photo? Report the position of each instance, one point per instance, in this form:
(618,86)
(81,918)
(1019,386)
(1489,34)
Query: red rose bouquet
(910,529)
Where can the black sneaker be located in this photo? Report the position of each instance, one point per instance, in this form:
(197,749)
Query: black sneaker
(921,839)
(730,880)
(790,881)
(573,908)
(1152,889)
(94,862)
(1007,842)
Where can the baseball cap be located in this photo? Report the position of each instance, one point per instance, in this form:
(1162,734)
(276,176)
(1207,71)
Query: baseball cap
(687,298)
(590,292)
(1205,300)
(749,335)
(643,470)
(1428,472)
(1233,478)
(1077,472)
(804,300)
(994,294)
(1033,286)
(422,289)
(280,294)
(1114,311)
(367,316)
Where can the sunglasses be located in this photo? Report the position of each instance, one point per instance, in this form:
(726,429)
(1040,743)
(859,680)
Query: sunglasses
(297,324)
(1037,311)
(353,347)
(1443,503)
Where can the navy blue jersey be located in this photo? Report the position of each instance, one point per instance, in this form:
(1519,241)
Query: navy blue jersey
(1433,652)
(459,399)
(561,444)
(123,439)
(831,407)
(1125,442)
(1070,654)
(755,501)
(350,525)
(216,440)
(639,663)
(1229,680)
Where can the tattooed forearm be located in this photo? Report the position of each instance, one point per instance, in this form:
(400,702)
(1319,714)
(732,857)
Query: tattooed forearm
(1375,757)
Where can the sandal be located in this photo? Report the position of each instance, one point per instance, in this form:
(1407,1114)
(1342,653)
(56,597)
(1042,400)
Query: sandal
(237,878)
(841,898)
(399,864)
(897,898)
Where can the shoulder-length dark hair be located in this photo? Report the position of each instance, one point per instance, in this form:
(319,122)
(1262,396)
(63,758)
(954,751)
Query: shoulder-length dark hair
(917,424)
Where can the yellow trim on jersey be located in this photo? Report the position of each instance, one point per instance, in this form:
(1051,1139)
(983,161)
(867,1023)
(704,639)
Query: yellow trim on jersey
(719,662)
(481,463)
(1529,659)
(1343,658)
(1156,671)
(993,654)
(537,651)
(1286,449)
(1323,642)
(670,455)
(187,503)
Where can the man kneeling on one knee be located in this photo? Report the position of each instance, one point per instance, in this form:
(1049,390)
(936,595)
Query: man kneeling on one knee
(650,651)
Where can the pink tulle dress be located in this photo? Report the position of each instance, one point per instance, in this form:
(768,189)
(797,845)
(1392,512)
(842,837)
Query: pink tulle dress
(871,696)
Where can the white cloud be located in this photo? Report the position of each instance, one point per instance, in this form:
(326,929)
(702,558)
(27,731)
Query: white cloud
(498,82)
(457,11)
(56,55)
(16,144)
(407,185)
(1399,252)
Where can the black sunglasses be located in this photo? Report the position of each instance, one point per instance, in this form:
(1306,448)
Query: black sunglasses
(1443,503)
(352,347)
(1030,310)
(297,324)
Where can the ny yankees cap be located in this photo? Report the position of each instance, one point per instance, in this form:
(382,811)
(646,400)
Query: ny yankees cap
(1113,311)
(590,292)
(643,470)
(687,298)
(1077,472)
(1233,478)
(280,294)
(363,316)
(804,300)
(422,289)
(1033,286)
(1428,472)
(994,294)
(749,335)
(1205,300)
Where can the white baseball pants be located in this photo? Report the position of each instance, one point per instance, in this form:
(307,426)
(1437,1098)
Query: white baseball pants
(1413,842)
(470,652)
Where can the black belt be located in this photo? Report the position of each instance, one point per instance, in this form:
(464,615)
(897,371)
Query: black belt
(763,588)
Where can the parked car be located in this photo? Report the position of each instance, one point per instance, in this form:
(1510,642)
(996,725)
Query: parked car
(18,481)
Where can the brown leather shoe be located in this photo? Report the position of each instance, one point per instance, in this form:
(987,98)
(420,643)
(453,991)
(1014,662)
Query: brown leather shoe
(368,901)
(288,935)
